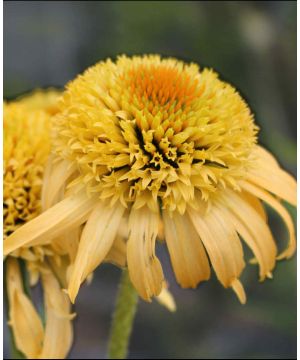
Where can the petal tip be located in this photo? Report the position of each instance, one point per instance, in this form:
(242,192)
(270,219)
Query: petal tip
(239,290)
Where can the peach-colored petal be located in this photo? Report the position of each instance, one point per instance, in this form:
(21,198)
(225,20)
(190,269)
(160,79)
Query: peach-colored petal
(95,242)
(117,253)
(58,332)
(238,288)
(145,270)
(256,204)
(253,229)
(276,205)
(187,253)
(68,213)
(221,243)
(23,318)
(268,175)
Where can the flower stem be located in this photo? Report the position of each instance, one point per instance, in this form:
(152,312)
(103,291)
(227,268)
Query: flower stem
(123,318)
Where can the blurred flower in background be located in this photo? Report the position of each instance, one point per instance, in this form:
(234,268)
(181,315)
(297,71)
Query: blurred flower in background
(251,43)
(26,125)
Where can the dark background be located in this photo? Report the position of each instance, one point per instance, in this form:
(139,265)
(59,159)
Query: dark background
(253,46)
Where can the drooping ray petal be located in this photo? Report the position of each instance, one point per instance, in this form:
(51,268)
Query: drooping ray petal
(95,242)
(67,243)
(256,204)
(268,175)
(263,153)
(59,268)
(253,229)
(58,332)
(187,253)
(23,318)
(59,173)
(221,243)
(238,288)
(26,325)
(280,209)
(117,253)
(68,213)
(145,270)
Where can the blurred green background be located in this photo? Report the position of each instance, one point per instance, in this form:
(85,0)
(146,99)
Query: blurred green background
(252,44)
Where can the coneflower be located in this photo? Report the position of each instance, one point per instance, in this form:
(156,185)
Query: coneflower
(26,149)
(146,144)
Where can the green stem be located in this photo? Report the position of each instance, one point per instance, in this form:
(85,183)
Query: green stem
(123,318)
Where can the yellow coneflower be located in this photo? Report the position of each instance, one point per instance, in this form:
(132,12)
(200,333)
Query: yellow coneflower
(147,146)
(26,149)
(41,99)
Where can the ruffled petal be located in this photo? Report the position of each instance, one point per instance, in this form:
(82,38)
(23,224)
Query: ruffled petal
(253,229)
(280,209)
(95,242)
(68,213)
(267,174)
(59,332)
(187,253)
(221,243)
(23,318)
(145,270)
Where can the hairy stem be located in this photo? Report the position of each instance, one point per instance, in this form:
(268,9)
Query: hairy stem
(123,318)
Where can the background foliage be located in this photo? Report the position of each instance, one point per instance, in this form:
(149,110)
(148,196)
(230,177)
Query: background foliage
(253,46)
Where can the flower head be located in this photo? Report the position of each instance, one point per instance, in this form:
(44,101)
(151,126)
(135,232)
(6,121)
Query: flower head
(154,129)
(147,147)
(26,149)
